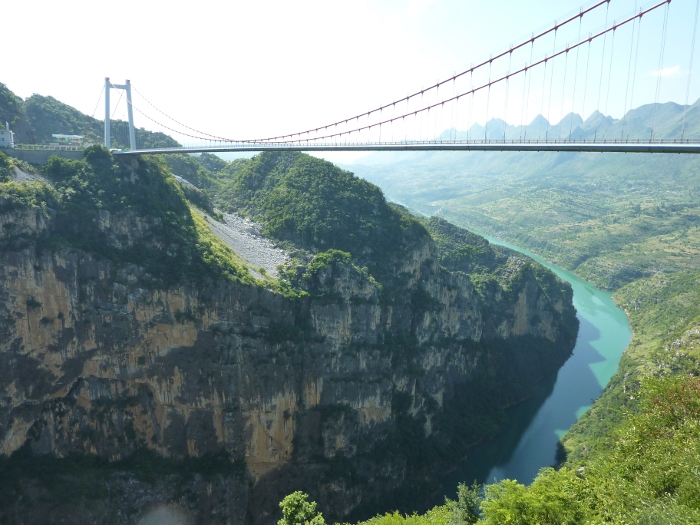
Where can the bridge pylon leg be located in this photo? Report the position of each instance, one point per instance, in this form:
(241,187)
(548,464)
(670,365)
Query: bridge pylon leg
(108,84)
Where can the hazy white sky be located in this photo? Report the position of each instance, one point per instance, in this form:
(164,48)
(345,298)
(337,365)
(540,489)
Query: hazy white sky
(258,68)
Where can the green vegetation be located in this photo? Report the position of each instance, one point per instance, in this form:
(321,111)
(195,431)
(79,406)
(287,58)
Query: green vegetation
(664,311)
(296,510)
(316,206)
(649,476)
(6,167)
(165,237)
(609,217)
(464,511)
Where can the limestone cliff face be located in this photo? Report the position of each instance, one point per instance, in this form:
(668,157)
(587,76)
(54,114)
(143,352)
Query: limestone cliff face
(93,362)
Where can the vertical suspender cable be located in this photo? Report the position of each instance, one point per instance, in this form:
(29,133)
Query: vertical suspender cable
(607,97)
(551,84)
(529,83)
(488,99)
(522,105)
(437,97)
(505,110)
(600,83)
(585,86)
(629,71)
(634,74)
(573,95)
(471,104)
(420,135)
(658,78)
(563,90)
(690,68)
(405,126)
(455,108)
(544,82)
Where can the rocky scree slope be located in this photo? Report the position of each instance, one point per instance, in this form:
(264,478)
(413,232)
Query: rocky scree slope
(140,363)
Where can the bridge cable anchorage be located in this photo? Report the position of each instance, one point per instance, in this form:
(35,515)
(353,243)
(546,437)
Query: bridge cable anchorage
(658,72)
(607,97)
(501,79)
(600,83)
(470,70)
(627,88)
(690,68)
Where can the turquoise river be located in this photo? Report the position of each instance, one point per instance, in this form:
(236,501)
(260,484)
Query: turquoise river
(529,442)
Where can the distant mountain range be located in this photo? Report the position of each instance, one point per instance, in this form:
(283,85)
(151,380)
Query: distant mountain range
(668,122)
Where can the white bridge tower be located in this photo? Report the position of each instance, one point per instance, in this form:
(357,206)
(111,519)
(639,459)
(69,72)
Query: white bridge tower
(129,108)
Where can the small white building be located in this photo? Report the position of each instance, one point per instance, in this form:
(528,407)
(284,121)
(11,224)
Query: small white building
(7,138)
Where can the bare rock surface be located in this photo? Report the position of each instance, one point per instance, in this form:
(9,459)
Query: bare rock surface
(244,237)
(21,176)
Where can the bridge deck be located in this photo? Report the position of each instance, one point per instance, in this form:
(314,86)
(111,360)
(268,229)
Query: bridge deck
(598,147)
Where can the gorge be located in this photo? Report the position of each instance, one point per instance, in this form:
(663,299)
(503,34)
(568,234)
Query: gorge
(142,361)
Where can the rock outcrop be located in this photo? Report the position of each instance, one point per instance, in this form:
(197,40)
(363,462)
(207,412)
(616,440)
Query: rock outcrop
(217,398)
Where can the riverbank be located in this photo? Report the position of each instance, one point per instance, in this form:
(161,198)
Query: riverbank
(531,440)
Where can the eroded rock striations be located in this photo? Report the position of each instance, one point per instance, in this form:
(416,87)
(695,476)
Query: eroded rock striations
(349,393)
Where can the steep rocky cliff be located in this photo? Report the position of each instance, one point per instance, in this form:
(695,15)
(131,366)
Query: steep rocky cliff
(218,395)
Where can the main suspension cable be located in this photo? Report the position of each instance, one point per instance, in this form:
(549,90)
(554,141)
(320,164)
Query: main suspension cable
(450,79)
(491,83)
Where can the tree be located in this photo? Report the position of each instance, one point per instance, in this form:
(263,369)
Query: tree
(466,509)
(296,510)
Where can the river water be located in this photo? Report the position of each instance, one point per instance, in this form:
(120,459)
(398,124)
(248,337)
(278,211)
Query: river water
(529,441)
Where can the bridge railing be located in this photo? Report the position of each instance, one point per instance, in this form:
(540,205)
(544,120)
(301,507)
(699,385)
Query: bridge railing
(48,147)
(302,143)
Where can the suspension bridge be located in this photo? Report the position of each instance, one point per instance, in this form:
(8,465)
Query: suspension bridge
(585,64)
